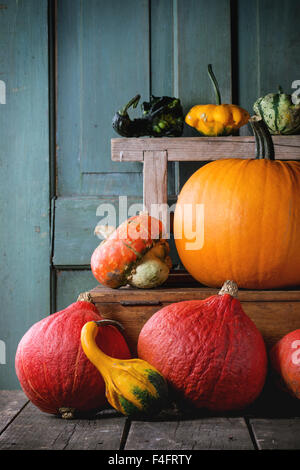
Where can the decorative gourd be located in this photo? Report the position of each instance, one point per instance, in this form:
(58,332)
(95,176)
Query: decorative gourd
(135,253)
(216,119)
(52,368)
(285,359)
(161,117)
(278,111)
(133,387)
(251,220)
(209,351)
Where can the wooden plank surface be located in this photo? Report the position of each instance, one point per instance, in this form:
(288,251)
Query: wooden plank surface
(34,430)
(215,433)
(271,434)
(11,403)
(25,427)
(187,149)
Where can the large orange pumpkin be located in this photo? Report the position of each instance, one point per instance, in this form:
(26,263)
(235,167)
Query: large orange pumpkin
(249,226)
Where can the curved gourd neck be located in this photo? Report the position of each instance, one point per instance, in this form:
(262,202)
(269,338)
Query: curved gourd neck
(264,147)
(88,341)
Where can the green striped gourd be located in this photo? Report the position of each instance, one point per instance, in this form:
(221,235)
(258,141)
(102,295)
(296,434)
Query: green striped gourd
(279,113)
(133,387)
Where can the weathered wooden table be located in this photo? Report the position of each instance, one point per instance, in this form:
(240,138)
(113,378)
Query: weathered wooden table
(267,424)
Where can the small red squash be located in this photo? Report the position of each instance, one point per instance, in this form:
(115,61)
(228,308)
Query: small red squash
(285,359)
(135,253)
(209,351)
(52,368)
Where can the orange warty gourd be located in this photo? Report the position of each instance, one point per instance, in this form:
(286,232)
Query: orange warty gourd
(250,219)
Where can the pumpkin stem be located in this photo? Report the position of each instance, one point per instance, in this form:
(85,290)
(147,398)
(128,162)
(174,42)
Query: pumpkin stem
(229,287)
(67,413)
(264,148)
(107,321)
(85,297)
(133,102)
(215,84)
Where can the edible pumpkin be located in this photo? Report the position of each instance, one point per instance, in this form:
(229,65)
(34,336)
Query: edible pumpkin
(250,224)
(209,351)
(216,119)
(52,368)
(133,386)
(135,253)
(285,359)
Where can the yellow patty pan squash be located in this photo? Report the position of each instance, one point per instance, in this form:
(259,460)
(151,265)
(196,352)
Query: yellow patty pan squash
(216,119)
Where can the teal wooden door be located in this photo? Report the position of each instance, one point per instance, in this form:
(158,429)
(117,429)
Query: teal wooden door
(87,61)
(24,176)
(109,51)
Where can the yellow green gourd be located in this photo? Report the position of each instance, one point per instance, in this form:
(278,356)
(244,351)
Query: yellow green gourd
(133,386)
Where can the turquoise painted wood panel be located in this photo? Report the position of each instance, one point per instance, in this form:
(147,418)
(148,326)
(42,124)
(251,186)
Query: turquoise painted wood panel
(202,36)
(115,66)
(104,62)
(72,283)
(279,45)
(268,49)
(75,223)
(161,47)
(24,175)
(248,71)
(166,54)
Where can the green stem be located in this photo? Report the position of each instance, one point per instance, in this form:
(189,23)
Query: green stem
(107,321)
(215,84)
(264,148)
(133,102)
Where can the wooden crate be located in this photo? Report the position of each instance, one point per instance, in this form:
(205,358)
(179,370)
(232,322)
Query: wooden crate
(275,312)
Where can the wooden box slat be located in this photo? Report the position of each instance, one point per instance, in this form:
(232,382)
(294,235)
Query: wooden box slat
(275,312)
(184,149)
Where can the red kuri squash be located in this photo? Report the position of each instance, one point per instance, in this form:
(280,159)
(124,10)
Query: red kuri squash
(52,368)
(209,351)
(285,359)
